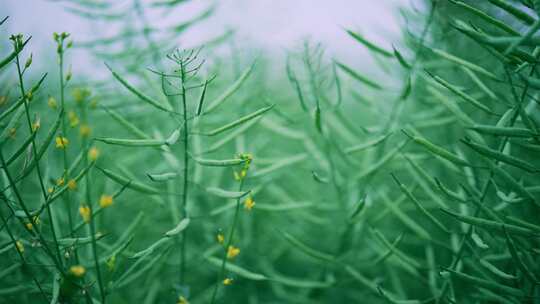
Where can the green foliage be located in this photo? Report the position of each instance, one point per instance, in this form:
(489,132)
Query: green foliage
(203,182)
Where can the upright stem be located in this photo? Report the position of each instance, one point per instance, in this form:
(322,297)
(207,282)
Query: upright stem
(88,190)
(36,161)
(186,171)
(66,196)
(228,244)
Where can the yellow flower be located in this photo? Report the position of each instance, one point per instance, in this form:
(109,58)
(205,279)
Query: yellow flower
(50,190)
(72,184)
(20,246)
(105,201)
(77,270)
(52,103)
(85,130)
(93,154)
(36,125)
(35,221)
(85,213)
(249,203)
(61,142)
(227,281)
(73,119)
(60,181)
(232,252)
(80,94)
(182,300)
(220,238)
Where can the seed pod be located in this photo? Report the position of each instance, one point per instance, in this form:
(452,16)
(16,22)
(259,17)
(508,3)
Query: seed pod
(138,93)
(503,131)
(492,225)
(439,151)
(494,154)
(237,122)
(231,90)
(179,228)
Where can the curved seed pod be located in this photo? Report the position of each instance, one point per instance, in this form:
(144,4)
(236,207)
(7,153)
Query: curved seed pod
(486,17)
(497,226)
(237,122)
(439,151)
(306,249)
(496,271)
(461,94)
(367,145)
(151,248)
(138,93)
(464,63)
(394,250)
(371,46)
(219,163)
(179,228)
(128,125)
(382,161)
(162,176)
(122,180)
(512,10)
(360,78)
(225,193)
(478,241)
(487,284)
(231,90)
(494,154)
(503,131)
(421,208)
(401,59)
(238,270)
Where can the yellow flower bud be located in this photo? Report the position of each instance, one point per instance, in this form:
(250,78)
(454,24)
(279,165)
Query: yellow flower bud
(105,201)
(232,252)
(77,270)
(84,211)
(93,154)
(61,142)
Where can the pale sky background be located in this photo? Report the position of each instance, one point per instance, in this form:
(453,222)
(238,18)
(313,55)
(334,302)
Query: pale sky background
(272,25)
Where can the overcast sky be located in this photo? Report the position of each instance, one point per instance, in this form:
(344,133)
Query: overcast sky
(272,25)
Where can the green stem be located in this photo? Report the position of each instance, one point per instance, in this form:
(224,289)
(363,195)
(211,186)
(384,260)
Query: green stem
(228,244)
(186,172)
(34,151)
(66,196)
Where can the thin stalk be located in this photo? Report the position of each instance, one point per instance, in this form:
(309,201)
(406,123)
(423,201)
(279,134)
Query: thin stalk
(186,172)
(26,211)
(34,151)
(228,244)
(23,259)
(66,196)
(84,146)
